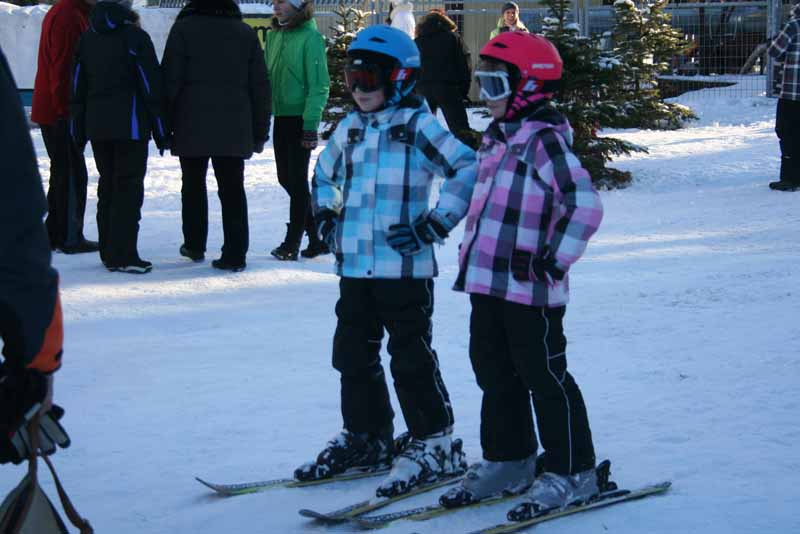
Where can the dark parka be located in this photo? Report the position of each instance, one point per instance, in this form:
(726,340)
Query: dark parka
(218,90)
(117,85)
(445,57)
(30,314)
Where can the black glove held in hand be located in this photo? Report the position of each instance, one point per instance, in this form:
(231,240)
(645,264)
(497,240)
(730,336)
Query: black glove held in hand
(51,434)
(309,139)
(326,222)
(526,267)
(409,239)
(21,394)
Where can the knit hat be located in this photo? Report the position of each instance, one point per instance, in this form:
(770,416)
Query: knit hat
(510,5)
(298,4)
(124,3)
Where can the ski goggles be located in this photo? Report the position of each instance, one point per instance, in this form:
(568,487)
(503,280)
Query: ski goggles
(494,84)
(364,76)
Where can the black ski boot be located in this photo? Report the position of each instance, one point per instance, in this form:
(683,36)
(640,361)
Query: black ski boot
(350,451)
(290,248)
(315,248)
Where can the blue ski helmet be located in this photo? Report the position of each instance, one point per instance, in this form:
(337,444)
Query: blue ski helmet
(399,49)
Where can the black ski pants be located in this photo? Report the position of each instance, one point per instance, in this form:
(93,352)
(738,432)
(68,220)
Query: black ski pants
(120,194)
(404,308)
(66,194)
(518,353)
(194,205)
(291,160)
(448,97)
(787,126)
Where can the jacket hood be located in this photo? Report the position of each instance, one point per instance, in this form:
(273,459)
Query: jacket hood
(435,22)
(211,8)
(303,15)
(107,17)
(796,11)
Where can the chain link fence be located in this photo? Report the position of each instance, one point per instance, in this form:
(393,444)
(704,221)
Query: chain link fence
(728,40)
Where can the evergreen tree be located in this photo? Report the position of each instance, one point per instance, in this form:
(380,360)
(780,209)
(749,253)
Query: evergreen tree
(645,42)
(350,20)
(587,96)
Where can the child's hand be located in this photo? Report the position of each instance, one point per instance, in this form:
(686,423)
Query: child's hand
(410,239)
(525,267)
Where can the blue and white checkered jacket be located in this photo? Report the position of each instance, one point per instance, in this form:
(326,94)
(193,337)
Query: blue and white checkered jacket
(378,170)
(786,49)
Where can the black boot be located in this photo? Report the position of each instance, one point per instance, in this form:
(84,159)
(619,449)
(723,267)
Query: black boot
(289,249)
(790,176)
(315,248)
(350,451)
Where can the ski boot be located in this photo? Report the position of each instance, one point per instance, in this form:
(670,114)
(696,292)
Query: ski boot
(491,479)
(350,451)
(423,461)
(551,492)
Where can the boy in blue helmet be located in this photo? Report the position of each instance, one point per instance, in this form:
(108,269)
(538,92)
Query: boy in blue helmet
(370,195)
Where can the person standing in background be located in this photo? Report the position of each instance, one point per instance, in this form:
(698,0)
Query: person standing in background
(66,195)
(116,103)
(445,77)
(297,63)
(786,48)
(218,96)
(509,20)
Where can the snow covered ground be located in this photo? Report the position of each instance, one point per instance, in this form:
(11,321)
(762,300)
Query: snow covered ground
(683,332)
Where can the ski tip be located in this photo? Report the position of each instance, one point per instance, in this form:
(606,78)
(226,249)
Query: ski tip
(203,482)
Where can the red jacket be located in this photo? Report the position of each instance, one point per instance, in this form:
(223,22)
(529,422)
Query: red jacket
(61,29)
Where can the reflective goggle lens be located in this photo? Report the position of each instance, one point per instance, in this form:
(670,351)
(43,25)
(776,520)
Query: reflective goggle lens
(368,78)
(494,85)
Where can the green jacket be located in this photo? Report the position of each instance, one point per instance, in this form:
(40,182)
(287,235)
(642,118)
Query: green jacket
(298,68)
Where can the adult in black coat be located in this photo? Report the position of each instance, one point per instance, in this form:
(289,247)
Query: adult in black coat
(219,102)
(445,76)
(116,104)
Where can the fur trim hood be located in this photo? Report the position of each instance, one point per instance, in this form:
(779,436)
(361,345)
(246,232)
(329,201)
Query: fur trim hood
(435,22)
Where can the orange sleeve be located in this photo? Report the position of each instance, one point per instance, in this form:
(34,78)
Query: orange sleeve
(49,357)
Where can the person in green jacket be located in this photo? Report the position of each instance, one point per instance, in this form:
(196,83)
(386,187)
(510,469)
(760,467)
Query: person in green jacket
(509,21)
(297,63)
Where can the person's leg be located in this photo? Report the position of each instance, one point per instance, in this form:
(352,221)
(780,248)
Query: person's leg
(194,203)
(365,403)
(299,157)
(405,308)
(56,192)
(77,185)
(104,161)
(538,347)
(232,198)
(506,416)
(130,167)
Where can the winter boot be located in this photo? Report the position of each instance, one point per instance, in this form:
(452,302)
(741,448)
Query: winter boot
(787,181)
(225,265)
(194,255)
(423,461)
(288,250)
(315,248)
(489,479)
(132,266)
(350,450)
(551,491)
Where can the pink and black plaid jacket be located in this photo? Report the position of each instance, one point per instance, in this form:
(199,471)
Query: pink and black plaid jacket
(531,192)
(786,49)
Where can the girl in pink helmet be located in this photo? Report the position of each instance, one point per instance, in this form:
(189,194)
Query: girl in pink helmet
(532,213)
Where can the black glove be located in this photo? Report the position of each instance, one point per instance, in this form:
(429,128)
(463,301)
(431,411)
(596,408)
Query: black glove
(21,394)
(326,221)
(410,239)
(527,267)
(17,447)
(309,139)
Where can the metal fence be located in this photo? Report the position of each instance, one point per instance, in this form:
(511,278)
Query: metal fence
(726,56)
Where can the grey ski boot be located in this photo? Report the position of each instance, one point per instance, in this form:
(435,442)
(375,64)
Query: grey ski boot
(487,479)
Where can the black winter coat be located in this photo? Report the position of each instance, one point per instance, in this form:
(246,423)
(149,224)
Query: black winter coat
(218,90)
(28,285)
(445,57)
(117,86)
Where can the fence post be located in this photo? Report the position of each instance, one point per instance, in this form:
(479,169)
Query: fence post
(774,15)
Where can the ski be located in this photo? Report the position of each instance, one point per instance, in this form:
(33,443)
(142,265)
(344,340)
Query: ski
(354,510)
(606,499)
(423,513)
(245,488)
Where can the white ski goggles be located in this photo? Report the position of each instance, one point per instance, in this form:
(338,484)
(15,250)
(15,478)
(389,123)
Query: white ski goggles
(494,84)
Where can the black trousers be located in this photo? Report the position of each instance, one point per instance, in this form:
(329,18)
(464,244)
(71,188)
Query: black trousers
(787,126)
(194,205)
(447,97)
(120,194)
(66,194)
(291,160)
(518,353)
(404,309)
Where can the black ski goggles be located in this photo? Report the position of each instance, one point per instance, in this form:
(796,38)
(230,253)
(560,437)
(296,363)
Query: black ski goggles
(365,76)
